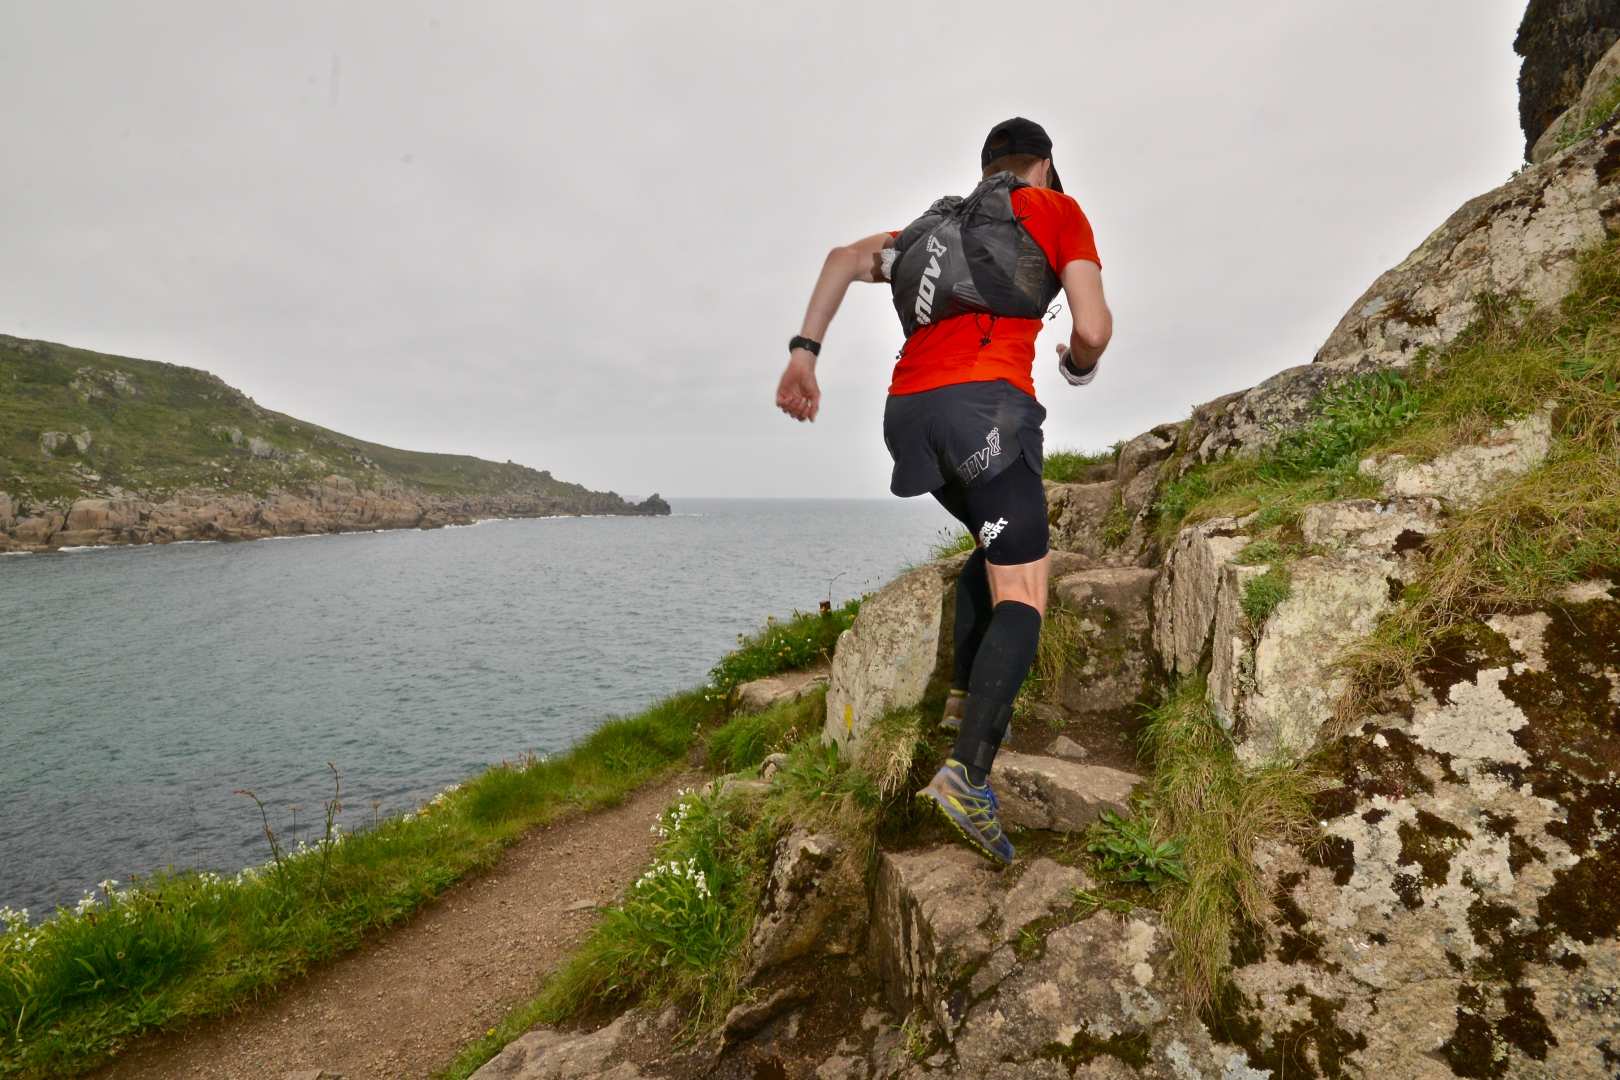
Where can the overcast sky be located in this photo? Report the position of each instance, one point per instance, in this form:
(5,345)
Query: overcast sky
(579,236)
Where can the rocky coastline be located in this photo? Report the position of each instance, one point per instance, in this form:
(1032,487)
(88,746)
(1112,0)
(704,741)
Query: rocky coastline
(333,505)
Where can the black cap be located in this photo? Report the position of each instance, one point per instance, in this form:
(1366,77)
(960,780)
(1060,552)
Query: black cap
(1018,136)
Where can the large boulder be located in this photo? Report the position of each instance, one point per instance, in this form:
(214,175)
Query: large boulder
(1460,918)
(814,899)
(1560,41)
(893,653)
(1188,590)
(112,515)
(1078,516)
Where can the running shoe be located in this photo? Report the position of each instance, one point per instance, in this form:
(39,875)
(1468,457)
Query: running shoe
(970,808)
(951,718)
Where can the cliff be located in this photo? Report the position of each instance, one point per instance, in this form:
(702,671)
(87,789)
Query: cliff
(98,449)
(1319,771)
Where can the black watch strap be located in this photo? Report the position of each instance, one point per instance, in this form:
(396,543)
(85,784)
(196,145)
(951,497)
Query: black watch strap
(798,342)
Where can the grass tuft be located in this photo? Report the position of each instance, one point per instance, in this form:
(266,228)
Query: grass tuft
(1263,594)
(802,641)
(1060,648)
(1075,466)
(1219,811)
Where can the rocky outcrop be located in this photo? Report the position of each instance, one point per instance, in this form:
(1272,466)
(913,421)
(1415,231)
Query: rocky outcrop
(336,504)
(609,1053)
(1560,41)
(1588,108)
(1520,240)
(813,900)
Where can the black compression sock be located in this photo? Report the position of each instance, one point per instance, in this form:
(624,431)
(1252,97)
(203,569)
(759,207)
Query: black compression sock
(1004,659)
(972,617)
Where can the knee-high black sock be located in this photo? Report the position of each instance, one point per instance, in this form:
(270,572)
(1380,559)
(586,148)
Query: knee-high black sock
(1004,659)
(972,617)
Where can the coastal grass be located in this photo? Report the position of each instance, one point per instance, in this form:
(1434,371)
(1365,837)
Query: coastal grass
(1217,811)
(679,936)
(175,947)
(1076,466)
(1060,648)
(802,641)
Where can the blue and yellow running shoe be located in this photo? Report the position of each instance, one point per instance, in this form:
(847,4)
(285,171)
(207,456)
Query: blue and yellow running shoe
(971,809)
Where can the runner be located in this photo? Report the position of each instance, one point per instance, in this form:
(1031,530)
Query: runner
(972,279)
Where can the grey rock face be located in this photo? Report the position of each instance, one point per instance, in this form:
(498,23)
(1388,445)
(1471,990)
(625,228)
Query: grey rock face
(1051,793)
(1114,666)
(893,652)
(1077,513)
(1187,592)
(804,904)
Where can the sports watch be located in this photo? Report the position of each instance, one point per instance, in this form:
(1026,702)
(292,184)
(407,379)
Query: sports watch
(798,342)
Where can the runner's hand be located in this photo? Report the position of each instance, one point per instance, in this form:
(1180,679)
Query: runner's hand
(1074,377)
(797,394)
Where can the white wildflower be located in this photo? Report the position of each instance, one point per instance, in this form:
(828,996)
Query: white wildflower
(86,902)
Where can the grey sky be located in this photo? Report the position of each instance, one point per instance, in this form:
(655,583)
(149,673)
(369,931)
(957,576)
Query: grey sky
(579,237)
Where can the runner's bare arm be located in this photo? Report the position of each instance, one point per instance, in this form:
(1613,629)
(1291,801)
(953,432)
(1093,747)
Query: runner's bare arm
(797,393)
(1093,322)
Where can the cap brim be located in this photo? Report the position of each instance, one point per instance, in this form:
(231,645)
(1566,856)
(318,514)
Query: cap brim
(1052,177)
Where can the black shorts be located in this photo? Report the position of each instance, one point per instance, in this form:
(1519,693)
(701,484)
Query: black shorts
(976,447)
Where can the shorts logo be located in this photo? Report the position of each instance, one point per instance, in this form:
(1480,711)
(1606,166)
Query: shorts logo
(980,459)
(991,530)
(925,287)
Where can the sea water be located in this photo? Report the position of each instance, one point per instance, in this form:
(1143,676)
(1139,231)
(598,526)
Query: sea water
(140,687)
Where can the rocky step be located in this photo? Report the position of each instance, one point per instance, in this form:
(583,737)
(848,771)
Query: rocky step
(1024,974)
(757,695)
(1040,792)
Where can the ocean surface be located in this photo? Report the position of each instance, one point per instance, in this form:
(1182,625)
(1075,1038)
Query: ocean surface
(139,687)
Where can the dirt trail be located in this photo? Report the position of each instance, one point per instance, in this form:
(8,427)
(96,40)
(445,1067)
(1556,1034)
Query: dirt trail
(406,1001)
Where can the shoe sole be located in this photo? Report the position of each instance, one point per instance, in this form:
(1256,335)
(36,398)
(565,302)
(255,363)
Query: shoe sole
(973,841)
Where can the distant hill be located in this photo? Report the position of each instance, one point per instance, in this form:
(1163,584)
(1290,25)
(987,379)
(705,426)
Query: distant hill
(77,425)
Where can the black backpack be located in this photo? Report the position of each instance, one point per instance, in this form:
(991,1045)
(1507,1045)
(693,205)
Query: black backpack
(970,255)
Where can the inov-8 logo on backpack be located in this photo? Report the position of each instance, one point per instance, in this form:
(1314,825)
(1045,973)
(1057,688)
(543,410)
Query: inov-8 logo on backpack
(930,280)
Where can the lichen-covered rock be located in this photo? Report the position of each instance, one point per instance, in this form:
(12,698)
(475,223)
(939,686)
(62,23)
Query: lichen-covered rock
(757,695)
(1461,917)
(1599,81)
(892,653)
(1051,793)
(1464,476)
(1187,593)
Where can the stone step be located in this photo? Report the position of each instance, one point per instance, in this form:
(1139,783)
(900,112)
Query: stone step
(757,695)
(1039,792)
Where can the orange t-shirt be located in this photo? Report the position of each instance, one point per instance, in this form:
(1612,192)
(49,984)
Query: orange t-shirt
(954,351)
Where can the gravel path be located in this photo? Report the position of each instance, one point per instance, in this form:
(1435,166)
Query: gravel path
(406,1001)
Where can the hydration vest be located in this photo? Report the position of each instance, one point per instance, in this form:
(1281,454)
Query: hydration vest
(971,254)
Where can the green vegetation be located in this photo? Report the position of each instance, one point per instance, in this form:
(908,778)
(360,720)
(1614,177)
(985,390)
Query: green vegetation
(1116,526)
(158,428)
(174,947)
(1312,463)
(1581,126)
(1543,530)
(678,936)
(1218,811)
(746,739)
(1127,850)
(803,641)
(1262,594)
(1075,466)
(952,542)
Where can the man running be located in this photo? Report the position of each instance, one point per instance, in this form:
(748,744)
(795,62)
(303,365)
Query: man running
(972,280)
